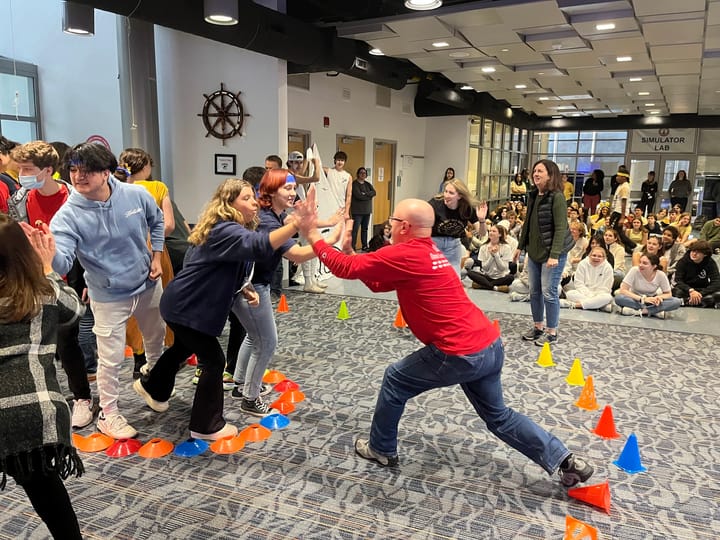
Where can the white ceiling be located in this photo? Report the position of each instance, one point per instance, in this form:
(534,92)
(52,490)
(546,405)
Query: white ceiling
(554,49)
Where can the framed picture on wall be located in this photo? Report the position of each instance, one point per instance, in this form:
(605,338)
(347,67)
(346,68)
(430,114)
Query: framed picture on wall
(225,164)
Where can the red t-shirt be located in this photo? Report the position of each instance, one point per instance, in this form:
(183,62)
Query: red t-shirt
(433,300)
(43,208)
(4,195)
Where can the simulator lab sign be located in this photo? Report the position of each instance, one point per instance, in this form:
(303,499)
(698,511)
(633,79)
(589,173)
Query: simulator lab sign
(663,141)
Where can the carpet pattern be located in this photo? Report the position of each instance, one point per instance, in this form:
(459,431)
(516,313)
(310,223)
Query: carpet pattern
(455,479)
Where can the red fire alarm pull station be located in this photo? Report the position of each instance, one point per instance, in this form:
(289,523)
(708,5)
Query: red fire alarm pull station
(326,121)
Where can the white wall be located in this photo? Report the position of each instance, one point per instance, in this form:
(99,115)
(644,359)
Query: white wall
(446,145)
(189,67)
(359,116)
(79,92)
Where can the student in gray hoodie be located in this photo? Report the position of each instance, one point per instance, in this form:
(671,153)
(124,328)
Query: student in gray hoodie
(105,223)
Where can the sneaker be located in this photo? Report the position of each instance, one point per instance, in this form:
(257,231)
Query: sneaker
(92,376)
(574,470)
(256,407)
(313,288)
(196,377)
(321,284)
(228,430)
(140,362)
(157,406)
(265,389)
(145,370)
(228,381)
(533,334)
(115,426)
(631,312)
(502,288)
(567,304)
(362,449)
(517,297)
(546,338)
(659,314)
(607,308)
(82,413)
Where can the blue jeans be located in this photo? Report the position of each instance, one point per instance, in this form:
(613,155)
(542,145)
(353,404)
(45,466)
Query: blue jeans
(360,223)
(259,344)
(544,292)
(451,248)
(478,375)
(668,304)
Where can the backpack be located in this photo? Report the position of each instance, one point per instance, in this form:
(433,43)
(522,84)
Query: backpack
(17,203)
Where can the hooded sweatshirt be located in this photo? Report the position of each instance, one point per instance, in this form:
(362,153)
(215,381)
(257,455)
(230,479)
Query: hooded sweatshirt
(110,240)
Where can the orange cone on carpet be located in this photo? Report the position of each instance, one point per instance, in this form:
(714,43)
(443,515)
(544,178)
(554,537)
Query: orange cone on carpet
(606,425)
(283,305)
(254,433)
(579,530)
(399,320)
(283,407)
(228,445)
(292,396)
(95,442)
(545,358)
(587,399)
(273,377)
(156,448)
(597,495)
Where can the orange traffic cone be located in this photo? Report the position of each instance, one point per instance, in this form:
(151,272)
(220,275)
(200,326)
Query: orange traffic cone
(128,351)
(95,442)
(587,399)
(228,445)
(578,530)
(606,425)
(399,320)
(496,324)
(283,305)
(273,376)
(254,433)
(156,448)
(597,495)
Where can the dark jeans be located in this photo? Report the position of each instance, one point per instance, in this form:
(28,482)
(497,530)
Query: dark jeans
(360,223)
(488,283)
(682,201)
(235,339)
(72,360)
(276,282)
(207,408)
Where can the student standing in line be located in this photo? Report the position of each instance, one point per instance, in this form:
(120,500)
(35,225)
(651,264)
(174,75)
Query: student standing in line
(363,193)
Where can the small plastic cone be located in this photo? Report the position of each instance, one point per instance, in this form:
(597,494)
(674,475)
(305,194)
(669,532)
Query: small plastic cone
(629,460)
(191,448)
(192,360)
(576,377)
(597,495)
(587,399)
(123,448)
(273,377)
(156,448)
(545,357)
(606,425)
(255,433)
(292,396)
(128,351)
(283,305)
(228,445)
(95,442)
(399,320)
(275,421)
(287,384)
(343,313)
(496,324)
(579,530)
(283,407)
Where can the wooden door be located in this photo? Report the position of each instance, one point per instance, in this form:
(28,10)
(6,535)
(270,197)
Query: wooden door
(298,141)
(383,173)
(354,147)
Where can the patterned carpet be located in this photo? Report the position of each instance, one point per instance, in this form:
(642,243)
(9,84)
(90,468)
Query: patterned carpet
(455,479)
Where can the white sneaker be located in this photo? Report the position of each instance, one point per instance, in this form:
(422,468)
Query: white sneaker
(659,315)
(115,426)
(82,413)
(228,430)
(321,284)
(632,312)
(567,304)
(312,288)
(157,406)
(607,308)
(145,369)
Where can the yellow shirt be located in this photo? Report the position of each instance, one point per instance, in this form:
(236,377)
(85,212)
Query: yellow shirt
(156,188)
(569,190)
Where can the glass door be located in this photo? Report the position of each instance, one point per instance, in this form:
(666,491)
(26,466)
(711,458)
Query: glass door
(666,169)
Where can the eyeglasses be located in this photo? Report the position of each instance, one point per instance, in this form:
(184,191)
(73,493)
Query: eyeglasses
(391,218)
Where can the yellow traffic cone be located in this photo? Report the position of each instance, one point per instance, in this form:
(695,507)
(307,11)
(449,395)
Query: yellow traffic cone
(343,312)
(545,358)
(576,377)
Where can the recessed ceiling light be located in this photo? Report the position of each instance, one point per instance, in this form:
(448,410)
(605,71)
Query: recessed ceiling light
(654,112)
(543,98)
(520,86)
(605,26)
(441,44)
(557,116)
(466,87)
(423,5)
(541,73)
(377,52)
(643,93)
(635,79)
(649,105)
(624,59)
(576,114)
(488,70)
(459,54)
(504,50)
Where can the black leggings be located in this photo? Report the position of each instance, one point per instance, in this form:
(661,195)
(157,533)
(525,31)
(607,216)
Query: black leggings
(235,339)
(50,500)
(73,361)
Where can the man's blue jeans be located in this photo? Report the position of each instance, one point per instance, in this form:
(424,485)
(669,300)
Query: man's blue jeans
(479,376)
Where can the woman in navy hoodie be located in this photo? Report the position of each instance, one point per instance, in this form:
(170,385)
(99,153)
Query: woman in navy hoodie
(197,302)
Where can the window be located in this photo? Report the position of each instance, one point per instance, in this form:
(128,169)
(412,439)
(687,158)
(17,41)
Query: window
(581,151)
(19,102)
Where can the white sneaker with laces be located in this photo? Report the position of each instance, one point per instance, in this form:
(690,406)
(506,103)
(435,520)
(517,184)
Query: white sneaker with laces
(607,308)
(631,312)
(659,314)
(228,430)
(114,425)
(82,413)
(312,288)
(157,406)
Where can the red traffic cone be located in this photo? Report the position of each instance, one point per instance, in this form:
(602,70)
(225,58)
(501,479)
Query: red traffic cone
(606,425)
(597,495)
(283,305)
(578,530)
(399,320)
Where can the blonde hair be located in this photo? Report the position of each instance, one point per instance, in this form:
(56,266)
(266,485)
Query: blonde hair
(466,203)
(220,208)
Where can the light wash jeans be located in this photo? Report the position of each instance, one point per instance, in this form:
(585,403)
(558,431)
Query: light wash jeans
(451,248)
(259,344)
(544,291)
(668,304)
(478,375)
(110,323)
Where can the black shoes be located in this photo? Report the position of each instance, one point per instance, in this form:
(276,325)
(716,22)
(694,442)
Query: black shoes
(362,449)
(574,470)
(533,334)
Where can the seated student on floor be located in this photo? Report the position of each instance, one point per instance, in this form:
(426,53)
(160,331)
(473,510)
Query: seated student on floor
(652,246)
(638,293)
(652,226)
(592,283)
(617,250)
(576,253)
(697,281)
(637,234)
(673,250)
(495,257)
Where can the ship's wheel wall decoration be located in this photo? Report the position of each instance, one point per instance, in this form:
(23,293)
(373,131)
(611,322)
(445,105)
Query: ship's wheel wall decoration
(223,114)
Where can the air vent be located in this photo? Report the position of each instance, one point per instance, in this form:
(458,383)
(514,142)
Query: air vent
(406,108)
(382,96)
(346,94)
(299,80)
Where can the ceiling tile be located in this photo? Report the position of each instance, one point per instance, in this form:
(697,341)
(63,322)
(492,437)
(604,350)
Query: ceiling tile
(427,27)
(575,60)
(674,32)
(675,52)
(531,15)
(657,7)
(496,34)
(678,68)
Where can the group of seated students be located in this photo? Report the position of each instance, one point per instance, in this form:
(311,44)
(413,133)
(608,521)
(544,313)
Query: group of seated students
(642,266)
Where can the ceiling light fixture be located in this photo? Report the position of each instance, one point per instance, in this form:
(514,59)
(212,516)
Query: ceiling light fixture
(605,26)
(649,105)
(459,54)
(635,79)
(643,93)
(520,86)
(376,52)
(624,59)
(504,50)
(78,19)
(488,70)
(440,44)
(466,87)
(423,5)
(221,12)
